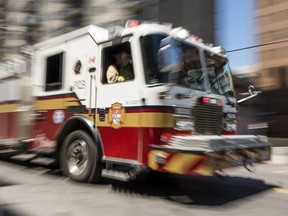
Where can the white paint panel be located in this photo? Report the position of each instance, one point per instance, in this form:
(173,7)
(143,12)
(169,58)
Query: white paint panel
(10,90)
(82,49)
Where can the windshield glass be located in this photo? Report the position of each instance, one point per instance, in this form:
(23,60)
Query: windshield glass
(192,73)
(219,74)
(150,46)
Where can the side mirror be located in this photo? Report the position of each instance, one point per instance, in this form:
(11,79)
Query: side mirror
(251,92)
(169,55)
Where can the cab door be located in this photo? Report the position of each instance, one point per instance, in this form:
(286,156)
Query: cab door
(117,105)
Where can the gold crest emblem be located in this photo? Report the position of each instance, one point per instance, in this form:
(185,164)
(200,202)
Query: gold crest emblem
(116,115)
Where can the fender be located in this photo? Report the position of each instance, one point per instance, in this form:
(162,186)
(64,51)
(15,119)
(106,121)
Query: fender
(79,123)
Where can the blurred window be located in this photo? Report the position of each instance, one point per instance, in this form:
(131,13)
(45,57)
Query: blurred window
(54,69)
(122,64)
(150,45)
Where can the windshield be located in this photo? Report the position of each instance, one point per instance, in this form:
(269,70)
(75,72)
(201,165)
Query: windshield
(150,46)
(192,74)
(219,74)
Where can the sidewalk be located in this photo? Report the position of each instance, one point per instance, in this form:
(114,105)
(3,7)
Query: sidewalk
(279,153)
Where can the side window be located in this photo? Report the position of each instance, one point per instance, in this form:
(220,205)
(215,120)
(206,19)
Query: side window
(150,45)
(117,64)
(54,69)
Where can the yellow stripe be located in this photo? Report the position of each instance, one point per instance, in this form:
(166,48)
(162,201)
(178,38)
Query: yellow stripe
(155,120)
(205,169)
(181,163)
(151,158)
(281,190)
(132,120)
(165,120)
(48,104)
(8,108)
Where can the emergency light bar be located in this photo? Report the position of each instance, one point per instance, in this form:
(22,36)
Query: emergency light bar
(132,23)
(135,23)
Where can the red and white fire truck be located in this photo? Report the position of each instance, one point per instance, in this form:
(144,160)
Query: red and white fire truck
(177,114)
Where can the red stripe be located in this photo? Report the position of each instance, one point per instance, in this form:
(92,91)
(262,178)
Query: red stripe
(142,110)
(195,166)
(10,102)
(60,96)
(10,125)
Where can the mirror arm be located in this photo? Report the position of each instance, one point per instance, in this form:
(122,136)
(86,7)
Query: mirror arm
(249,97)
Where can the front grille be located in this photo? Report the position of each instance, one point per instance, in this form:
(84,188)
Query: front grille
(208,119)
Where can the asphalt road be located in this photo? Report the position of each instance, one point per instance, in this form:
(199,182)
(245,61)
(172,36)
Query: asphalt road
(31,191)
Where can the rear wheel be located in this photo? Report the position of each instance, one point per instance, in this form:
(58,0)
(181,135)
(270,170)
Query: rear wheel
(79,157)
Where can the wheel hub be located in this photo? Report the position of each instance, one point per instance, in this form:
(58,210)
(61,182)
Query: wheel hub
(77,157)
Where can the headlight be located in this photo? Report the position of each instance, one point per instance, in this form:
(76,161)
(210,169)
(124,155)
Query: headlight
(182,111)
(183,118)
(230,126)
(184,124)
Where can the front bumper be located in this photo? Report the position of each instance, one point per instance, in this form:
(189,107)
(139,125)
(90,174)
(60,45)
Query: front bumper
(203,155)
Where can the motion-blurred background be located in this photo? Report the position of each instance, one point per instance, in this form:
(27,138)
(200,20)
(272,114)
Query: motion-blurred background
(254,33)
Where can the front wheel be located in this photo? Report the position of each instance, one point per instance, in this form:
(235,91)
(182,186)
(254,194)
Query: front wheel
(79,157)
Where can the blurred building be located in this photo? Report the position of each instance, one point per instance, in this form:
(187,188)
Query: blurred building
(249,109)
(31,21)
(13,27)
(106,12)
(198,16)
(2,31)
(273,29)
(272,17)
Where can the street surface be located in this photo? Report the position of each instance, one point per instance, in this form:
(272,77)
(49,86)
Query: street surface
(30,191)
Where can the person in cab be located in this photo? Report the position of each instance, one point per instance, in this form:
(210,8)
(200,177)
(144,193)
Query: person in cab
(122,70)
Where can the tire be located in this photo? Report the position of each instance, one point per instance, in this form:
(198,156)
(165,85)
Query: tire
(79,158)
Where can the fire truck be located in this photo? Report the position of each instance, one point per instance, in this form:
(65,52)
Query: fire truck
(178,114)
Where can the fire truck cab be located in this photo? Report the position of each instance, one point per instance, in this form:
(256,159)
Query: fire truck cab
(176,112)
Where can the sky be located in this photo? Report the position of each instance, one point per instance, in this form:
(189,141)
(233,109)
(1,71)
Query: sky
(236,29)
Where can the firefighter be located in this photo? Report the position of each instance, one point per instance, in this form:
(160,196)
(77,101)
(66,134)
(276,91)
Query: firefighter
(122,70)
(191,62)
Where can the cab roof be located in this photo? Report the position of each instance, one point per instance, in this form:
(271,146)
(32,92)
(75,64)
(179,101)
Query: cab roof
(98,33)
